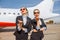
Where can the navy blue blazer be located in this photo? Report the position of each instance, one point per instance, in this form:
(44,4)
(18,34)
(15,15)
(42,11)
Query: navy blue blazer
(27,25)
(34,22)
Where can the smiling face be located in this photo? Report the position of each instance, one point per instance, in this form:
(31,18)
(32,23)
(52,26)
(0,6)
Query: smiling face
(23,10)
(36,13)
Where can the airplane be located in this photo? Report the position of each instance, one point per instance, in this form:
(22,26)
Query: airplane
(8,15)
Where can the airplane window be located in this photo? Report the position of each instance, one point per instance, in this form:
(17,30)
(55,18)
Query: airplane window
(14,13)
(0,13)
(4,13)
(18,13)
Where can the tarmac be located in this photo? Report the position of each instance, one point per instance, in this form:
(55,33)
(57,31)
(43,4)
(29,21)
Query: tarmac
(52,32)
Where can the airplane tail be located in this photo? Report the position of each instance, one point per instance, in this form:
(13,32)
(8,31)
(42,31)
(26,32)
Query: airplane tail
(46,7)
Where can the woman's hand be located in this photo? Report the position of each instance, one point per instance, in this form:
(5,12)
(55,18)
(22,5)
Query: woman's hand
(20,23)
(42,29)
(34,30)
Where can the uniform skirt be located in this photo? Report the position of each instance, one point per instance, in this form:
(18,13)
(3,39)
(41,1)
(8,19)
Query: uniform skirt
(21,36)
(37,35)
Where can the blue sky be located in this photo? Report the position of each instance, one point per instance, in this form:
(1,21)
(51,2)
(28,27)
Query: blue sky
(27,3)
(56,8)
(18,3)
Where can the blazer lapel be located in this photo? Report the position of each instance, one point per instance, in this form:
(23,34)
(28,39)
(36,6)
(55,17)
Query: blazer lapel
(35,22)
(27,20)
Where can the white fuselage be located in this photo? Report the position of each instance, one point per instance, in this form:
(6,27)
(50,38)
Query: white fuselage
(45,7)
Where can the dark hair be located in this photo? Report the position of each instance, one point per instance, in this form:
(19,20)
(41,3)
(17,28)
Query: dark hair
(35,10)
